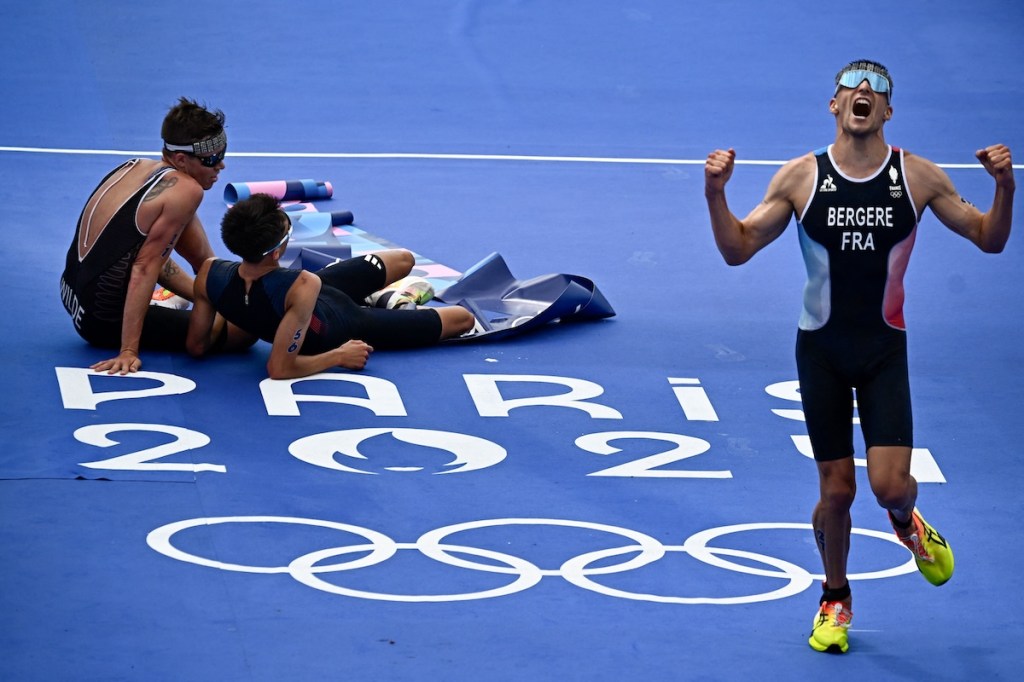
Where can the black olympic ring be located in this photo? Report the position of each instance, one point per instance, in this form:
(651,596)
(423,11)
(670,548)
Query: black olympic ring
(577,570)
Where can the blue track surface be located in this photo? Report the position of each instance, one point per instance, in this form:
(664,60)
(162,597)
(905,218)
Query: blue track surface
(466,537)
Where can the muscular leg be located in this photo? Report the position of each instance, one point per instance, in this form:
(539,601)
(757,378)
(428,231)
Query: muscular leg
(455,321)
(397,264)
(889,473)
(177,280)
(896,491)
(831,518)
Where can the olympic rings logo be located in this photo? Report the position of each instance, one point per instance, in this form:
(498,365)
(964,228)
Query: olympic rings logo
(582,570)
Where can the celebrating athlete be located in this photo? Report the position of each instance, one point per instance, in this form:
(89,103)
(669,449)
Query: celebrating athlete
(858,203)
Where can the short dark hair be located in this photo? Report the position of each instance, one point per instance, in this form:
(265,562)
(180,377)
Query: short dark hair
(188,122)
(867,65)
(252,226)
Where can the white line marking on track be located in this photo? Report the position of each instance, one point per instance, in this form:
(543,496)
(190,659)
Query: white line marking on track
(441,157)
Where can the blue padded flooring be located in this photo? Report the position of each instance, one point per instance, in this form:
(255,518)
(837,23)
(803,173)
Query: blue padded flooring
(623,499)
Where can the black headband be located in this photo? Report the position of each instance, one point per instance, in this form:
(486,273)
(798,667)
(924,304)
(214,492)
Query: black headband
(202,147)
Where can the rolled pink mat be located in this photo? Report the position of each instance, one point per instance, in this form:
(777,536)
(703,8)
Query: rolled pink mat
(282,190)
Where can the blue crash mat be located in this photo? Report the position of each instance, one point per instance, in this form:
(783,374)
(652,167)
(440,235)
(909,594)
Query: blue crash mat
(305,258)
(502,304)
(505,305)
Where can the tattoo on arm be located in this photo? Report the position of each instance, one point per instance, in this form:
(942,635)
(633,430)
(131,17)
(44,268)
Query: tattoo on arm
(171,269)
(158,189)
(170,246)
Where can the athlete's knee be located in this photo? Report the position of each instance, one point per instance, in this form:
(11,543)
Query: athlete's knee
(894,493)
(838,484)
(839,495)
(889,475)
(455,321)
(398,263)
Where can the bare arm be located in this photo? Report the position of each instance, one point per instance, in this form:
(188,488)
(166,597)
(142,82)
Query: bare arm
(738,240)
(285,361)
(206,325)
(988,231)
(179,202)
(193,245)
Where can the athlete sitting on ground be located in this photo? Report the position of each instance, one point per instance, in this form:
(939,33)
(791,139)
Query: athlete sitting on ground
(312,319)
(138,214)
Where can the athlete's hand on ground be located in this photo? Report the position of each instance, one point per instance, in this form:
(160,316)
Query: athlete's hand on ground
(998,162)
(353,354)
(718,169)
(126,361)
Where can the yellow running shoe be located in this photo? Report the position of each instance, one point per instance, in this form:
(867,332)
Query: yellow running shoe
(932,553)
(830,626)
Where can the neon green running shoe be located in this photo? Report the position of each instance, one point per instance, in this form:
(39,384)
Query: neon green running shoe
(408,292)
(932,553)
(830,627)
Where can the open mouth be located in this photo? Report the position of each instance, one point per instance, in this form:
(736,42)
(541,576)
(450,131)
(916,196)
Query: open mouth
(861,107)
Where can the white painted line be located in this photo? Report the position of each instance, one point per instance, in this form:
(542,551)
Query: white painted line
(441,157)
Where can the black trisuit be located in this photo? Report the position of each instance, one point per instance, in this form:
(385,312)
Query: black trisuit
(336,318)
(856,236)
(94,286)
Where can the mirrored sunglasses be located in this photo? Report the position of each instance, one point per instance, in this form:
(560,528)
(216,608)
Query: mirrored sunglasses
(852,79)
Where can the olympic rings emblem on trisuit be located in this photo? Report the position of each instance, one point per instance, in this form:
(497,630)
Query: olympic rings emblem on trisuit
(580,570)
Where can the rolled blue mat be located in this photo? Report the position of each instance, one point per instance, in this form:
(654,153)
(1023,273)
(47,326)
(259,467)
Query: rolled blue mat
(308,224)
(282,190)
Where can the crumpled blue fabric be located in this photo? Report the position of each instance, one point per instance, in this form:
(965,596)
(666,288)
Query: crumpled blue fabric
(505,306)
